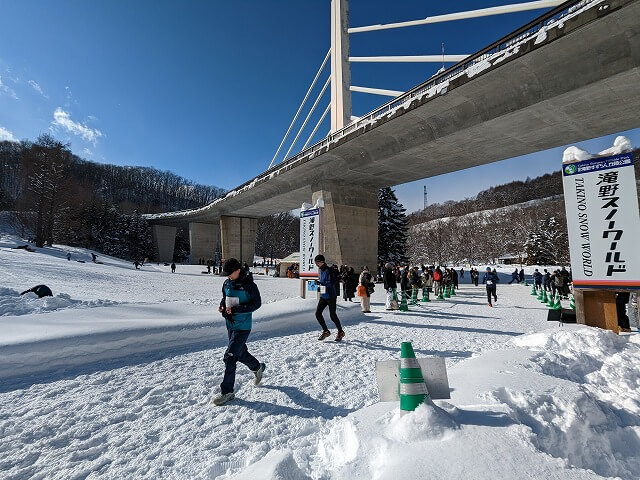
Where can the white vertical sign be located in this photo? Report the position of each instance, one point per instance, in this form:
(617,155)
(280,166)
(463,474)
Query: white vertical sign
(309,241)
(603,222)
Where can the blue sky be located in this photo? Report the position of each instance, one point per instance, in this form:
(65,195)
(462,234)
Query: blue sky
(207,89)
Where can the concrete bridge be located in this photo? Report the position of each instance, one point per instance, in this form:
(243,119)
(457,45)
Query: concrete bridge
(570,75)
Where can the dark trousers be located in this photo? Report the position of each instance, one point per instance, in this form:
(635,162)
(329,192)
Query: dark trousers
(622,298)
(236,352)
(491,291)
(322,304)
(475,281)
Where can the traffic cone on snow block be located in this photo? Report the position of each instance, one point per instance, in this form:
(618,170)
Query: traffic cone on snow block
(572,303)
(533,290)
(413,390)
(447,293)
(403,304)
(453,290)
(414,296)
(557,305)
(440,296)
(540,295)
(551,301)
(425,295)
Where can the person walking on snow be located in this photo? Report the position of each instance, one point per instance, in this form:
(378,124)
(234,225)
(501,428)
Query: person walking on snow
(491,279)
(240,297)
(173,267)
(515,277)
(327,298)
(366,280)
(390,285)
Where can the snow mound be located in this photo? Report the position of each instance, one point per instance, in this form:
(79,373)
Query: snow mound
(574,153)
(620,145)
(427,422)
(595,425)
(12,303)
(276,465)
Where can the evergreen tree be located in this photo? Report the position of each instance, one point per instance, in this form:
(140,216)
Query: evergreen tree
(546,243)
(392,228)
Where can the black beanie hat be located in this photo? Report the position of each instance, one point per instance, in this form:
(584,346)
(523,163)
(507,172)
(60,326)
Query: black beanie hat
(230,266)
(319,258)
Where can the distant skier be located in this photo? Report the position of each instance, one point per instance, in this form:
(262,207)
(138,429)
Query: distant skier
(137,264)
(328,298)
(173,267)
(94,257)
(240,297)
(40,291)
(69,256)
(490,279)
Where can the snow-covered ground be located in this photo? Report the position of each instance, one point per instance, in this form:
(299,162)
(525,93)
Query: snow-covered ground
(124,367)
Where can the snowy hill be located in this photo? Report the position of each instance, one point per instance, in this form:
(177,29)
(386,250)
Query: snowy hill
(122,378)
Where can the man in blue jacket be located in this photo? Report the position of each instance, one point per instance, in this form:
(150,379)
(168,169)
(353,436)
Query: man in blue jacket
(490,279)
(240,297)
(328,281)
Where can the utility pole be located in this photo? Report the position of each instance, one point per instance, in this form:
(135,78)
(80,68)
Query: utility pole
(425,196)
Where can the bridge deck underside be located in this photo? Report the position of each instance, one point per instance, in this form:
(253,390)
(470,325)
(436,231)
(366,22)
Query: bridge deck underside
(583,82)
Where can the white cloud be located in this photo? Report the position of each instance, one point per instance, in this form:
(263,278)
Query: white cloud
(87,152)
(63,119)
(6,135)
(6,90)
(37,88)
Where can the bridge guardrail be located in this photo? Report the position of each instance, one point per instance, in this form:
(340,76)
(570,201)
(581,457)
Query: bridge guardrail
(504,43)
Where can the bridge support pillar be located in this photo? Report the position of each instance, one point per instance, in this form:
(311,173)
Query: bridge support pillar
(164,238)
(349,225)
(238,238)
(203,238)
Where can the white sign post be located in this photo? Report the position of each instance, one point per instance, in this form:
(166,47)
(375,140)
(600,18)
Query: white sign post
(603,222)
(310,233)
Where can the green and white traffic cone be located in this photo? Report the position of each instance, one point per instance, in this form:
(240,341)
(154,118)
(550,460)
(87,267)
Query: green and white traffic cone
(425,295)
(533,290)
(403,304)
(414,296)
(447,293)
(545,299)
(540,295)
(572,303)
(453,290)
(557,305)
(551,301)
(440,295)
(413,389)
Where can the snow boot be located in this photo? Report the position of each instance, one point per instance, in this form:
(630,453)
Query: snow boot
(339,336)
(258,373)
(223,398)
(324,335)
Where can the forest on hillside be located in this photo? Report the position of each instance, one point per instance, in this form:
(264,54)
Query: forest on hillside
(524,219)
(58,197)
